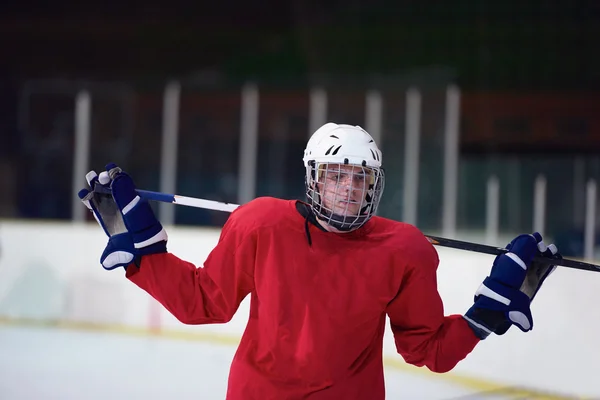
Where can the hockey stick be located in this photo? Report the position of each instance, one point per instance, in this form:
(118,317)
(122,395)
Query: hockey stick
(435,240)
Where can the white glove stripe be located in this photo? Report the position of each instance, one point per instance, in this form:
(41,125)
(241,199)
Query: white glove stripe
(487,292)
(132,204)
(517,259)
(478,325)
(162,235)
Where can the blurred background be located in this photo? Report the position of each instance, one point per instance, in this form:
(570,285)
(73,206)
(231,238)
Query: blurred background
(526,76)
(487,112)
(524,103)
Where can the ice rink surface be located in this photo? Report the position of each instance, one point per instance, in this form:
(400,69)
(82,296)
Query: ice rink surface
(39,363)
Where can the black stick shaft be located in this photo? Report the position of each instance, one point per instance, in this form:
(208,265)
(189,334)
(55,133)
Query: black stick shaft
(482,248)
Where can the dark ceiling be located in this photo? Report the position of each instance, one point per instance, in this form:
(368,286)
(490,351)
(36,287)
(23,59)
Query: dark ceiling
(509,44)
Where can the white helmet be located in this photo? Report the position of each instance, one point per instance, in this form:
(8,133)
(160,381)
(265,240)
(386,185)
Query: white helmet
(343,145)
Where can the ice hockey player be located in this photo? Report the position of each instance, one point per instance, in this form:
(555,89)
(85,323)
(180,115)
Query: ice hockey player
(323,275)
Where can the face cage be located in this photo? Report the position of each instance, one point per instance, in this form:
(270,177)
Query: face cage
(343,222)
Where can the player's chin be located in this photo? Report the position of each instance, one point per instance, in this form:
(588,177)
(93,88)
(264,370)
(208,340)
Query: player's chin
(349,212)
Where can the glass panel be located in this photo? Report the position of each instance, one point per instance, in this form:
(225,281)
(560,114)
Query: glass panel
(283,133)
(208,150)
(126,128)
(431,160)
(346,106)
(393,134)
(112,130)
(144,158)
(46,124)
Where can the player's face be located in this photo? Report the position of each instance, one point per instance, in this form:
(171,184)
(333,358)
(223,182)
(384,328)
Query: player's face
(343,188)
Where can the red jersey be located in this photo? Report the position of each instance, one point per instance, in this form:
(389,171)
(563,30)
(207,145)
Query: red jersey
(318,310)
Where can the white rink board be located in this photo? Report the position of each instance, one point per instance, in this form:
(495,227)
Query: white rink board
(51,271)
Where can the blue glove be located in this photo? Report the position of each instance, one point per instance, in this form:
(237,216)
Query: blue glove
(128,220)
(505,296)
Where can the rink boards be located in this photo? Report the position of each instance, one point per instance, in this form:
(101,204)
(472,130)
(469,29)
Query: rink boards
(50,275)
